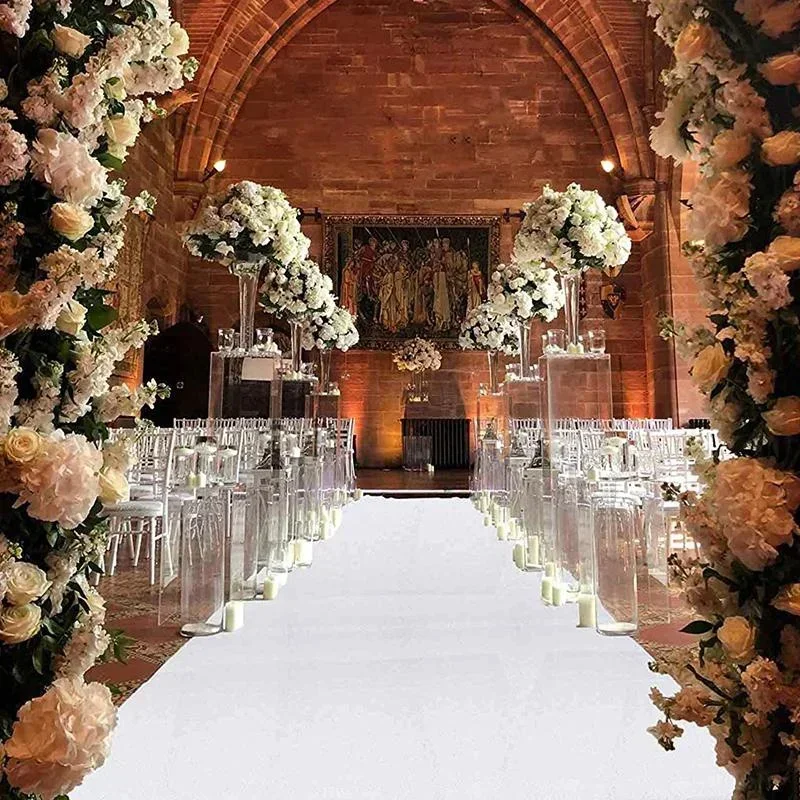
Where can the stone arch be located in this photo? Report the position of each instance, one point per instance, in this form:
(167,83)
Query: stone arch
(250,33)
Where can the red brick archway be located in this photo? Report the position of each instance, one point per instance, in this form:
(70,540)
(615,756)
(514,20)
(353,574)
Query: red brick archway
(241,38)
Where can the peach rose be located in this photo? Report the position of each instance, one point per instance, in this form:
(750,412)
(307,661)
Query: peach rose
(71,221)
(730,148)
(13,312)
(787,249)
(784,417)
(60,737)
(20,623)
(780,18)
(710,366)
(24,583)
(782,149)
(696,40)
(788,599)
(22,445)
(738,638)
(69,41)
(782,70)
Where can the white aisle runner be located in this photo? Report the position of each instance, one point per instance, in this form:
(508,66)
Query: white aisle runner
(412,661)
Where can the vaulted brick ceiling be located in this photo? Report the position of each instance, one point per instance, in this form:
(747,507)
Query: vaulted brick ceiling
(599,45)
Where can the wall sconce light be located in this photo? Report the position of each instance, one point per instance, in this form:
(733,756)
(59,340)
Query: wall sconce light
(608,166)
(216,168)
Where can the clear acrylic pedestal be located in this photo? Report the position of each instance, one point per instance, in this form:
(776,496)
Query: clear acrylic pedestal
(295,394)
(244,386)
(523,398)
(324,405)
(491,417)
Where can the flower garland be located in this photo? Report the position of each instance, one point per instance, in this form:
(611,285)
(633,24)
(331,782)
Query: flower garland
(74,92)
(298,291)
(525,291)
(485,329)
(336,330)
(571,231)
(416,355)
(730,96)
(246,226)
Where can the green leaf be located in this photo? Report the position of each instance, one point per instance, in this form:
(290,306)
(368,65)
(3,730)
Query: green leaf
(109,161)
(699,626)
(101,316)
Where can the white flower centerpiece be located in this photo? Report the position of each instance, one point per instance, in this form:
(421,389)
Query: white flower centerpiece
(298,292)
(525,292)
(484,328)
(571,231)
(417,356)
(246,227)
(328,332)
(74,93)
(734,76)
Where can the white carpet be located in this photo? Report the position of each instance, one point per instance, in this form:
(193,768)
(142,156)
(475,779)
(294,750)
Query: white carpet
(412,661)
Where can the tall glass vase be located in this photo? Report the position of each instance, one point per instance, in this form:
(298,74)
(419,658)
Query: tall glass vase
(296,332)
(418,386)
(494,371)
(324,357)
(571,284)
(525,348)
(248,289)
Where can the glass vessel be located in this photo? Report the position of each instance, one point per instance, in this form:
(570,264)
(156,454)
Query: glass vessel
(324,369)
(525,348)
(596,340)
(225,340)
(248,290)
(296,334)
(494,372)
(571,284)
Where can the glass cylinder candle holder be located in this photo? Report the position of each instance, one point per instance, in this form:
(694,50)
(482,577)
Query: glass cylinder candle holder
(555,341)
(264,339)
(596,339)
(225,340)
(614,527)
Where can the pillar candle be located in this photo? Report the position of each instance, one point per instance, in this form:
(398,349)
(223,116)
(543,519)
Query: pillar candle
(533,551)
(518,556)
(550,569)
(358,494)
(559,594)
(586,611)
(271,588)
(234,616)
(547,589)
(337,517)
(303,551)
(502,533)
(487,520)
(202,480)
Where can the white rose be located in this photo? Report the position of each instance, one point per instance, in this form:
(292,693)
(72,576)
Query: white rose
(738,638)
(122,130)
(72,318)
(19,623)
(180,41)
(71,221)
(782,149)
(114,487)
(69,41)
(115,89)
(24,583)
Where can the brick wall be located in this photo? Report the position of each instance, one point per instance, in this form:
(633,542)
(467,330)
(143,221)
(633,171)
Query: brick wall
(460,112)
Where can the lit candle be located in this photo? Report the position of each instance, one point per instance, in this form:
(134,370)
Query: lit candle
(358,494)
(502,533)
(487,521)
(280,578)
(586,611)
(191,480)
(559,594)
(337,517)
(572,348)
(550,569)
(547,589)
(303,552)
(271,588)
(519,556)
(202,480)
(234,616)
(533,551)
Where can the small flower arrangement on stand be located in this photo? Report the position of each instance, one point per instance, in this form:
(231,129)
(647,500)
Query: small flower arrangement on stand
(328,332)
(525,292)
(571,231)
(417,356)
(246,227)
(299,293)
(486,329)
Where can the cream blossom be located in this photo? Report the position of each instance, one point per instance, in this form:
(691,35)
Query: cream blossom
(730,148)
(783,419)
(721,208)
(69,41)
(114,486)
(787,250)
(24,583)
(14,157)
(782,149)
(72,318)
(710,367)
(60,737)
(19,624)
(22,445)
(782,70)
(179,46)
(65,165)
(71,221)
(738,637)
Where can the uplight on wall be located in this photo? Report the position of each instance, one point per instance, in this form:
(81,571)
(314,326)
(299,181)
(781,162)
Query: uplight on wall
(607,165)
(216,168)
